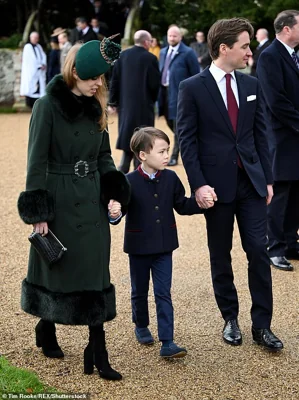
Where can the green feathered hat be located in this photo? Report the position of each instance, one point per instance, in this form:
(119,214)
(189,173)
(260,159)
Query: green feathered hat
(94,58)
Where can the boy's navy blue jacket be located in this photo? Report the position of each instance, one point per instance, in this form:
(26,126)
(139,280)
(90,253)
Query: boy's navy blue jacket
(150,223)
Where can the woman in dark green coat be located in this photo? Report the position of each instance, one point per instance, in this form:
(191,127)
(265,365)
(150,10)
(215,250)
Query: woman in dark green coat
(71,177)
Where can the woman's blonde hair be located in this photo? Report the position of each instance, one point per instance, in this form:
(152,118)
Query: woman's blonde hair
(68,76)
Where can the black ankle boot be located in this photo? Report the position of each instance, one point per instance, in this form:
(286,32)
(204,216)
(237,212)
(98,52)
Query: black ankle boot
(96,354)
(46,339)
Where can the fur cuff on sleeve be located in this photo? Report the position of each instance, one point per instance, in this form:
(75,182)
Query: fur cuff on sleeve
(115,185)
(36,206)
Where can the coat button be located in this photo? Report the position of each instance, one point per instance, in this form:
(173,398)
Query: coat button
(158,221)
(94,201)
(157,181)
(76,158)
(91,177)
(234,161)
(76,133)
(155,195)
(91,132)
(157,208)
(77,205)
(91,157)
(97,225)
(75,180)
(79,226)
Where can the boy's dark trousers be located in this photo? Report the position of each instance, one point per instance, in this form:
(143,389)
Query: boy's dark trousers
(161,267)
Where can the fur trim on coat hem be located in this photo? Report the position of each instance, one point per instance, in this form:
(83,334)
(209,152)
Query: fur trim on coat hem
(77,308)
(36,206)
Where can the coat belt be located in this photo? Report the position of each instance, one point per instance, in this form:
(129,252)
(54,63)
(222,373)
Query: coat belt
(81,168)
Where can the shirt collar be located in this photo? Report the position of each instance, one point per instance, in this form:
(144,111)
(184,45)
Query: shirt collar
(289,49)
(262,42)
(85,30)
(218,73)
(146,174)
(174,48)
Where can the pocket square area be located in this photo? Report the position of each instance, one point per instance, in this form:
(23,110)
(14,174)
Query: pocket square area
(251,97)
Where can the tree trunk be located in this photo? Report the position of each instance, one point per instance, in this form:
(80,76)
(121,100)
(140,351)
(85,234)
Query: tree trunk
(129,23)
(28,26)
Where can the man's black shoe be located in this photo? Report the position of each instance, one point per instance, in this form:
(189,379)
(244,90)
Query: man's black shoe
(266,338)
(172,162)
(281,263)
(292,254)
(231,333)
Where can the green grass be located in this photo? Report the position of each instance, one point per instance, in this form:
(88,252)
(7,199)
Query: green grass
(7,110)
(17,380)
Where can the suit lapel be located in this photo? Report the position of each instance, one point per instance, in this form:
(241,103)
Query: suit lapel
(242,101)
(285,54)
(212,87)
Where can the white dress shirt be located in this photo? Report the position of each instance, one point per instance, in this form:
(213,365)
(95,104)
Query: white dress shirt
(175,50)
(289,49)
(219,76)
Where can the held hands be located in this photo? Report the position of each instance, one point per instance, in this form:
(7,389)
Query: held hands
(112,110)
(114,208)
(270,194)
(205,196)
(41,227)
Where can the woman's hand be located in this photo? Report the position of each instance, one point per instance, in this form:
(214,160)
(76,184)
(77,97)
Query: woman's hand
(114,208)
(41,227)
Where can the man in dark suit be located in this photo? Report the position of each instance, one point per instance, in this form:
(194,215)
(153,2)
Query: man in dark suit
(278,73)
(200,47)
(224,149)
(262,37)
(86,33)
(177,62)
(134,89)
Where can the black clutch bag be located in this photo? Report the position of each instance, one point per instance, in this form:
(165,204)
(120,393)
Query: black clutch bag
(48,247)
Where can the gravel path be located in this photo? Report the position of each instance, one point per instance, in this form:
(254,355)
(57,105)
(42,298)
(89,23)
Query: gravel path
(212,370)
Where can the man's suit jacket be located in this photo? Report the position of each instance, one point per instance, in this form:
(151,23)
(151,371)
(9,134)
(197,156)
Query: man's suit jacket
(279,79)
(89,35)
(183,65)
(134,89)
(256,56)
(209,146)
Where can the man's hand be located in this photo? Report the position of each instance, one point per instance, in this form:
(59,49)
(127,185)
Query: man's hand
(41,227)
(112,110)
(203,195)
(114,208)
(270,194)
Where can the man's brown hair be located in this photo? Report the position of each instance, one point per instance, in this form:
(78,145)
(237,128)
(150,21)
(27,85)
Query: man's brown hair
(285,18)
(144,138)
(227,31)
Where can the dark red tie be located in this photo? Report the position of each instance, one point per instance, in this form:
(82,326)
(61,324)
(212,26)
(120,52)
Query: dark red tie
(232,108)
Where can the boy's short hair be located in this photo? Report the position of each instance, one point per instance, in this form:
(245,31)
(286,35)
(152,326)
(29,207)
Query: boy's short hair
(144,138)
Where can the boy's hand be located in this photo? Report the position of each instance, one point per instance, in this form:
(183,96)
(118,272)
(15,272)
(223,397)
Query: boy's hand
(114,208)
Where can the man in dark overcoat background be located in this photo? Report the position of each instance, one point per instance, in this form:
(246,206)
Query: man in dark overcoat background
(278,73)
(263,39)
(134,89)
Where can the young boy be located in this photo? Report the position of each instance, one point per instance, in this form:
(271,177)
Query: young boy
(151,234)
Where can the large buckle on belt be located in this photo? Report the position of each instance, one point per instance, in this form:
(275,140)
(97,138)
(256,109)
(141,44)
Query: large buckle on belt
(81,164)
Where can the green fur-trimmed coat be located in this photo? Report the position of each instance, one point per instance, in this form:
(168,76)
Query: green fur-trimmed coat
(64,130)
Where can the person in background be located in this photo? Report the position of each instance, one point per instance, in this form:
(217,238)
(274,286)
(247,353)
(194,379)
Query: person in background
(33,73)
(71,182)
(262,36)
(177,62)
(134,99)
(53,59)
(86,33)
(155,48)
(64,46)
(201,50)
(278,73)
